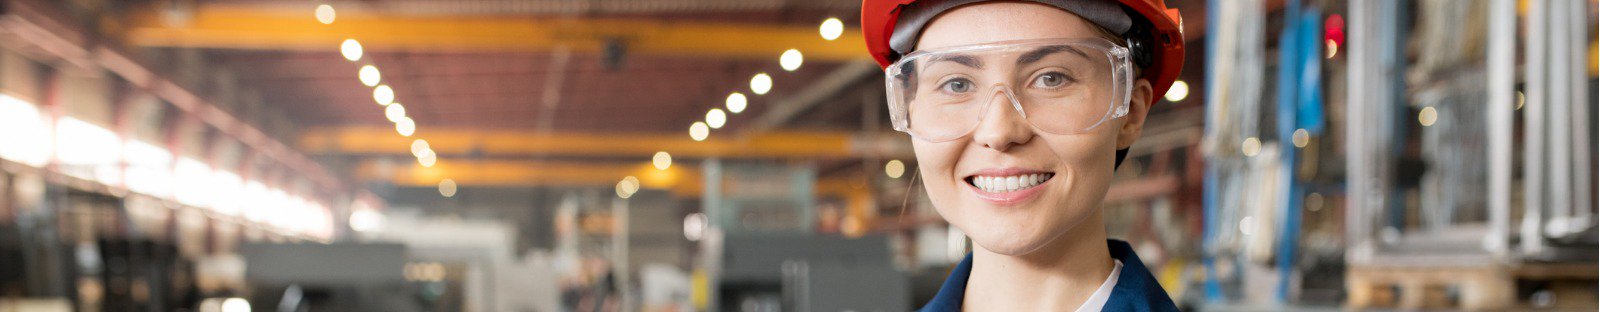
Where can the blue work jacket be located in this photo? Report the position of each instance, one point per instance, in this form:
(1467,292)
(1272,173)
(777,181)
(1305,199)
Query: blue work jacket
(1136,289)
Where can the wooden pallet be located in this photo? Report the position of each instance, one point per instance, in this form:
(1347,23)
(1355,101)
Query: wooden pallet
(1481,287)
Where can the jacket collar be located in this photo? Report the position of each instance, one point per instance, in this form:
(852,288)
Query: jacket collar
(1136,289)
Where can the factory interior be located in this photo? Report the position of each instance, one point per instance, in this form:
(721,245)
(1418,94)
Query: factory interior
(496,155)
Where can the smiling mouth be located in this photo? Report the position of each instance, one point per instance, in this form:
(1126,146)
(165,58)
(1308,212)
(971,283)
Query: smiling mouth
(1010,183)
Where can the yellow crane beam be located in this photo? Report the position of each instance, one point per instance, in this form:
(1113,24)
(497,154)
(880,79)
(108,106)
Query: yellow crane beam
(251,27)
(683,180)
(377,140)
(496,173)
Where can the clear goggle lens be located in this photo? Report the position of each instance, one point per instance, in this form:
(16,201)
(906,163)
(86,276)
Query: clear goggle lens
(1060,86)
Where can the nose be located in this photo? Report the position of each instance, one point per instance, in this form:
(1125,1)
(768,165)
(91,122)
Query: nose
(1002,125)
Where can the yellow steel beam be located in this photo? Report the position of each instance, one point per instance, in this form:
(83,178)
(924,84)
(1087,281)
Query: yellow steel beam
(681,179)
(248,27)
(778,144)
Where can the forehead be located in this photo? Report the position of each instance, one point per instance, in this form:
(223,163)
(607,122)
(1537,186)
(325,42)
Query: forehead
(1002,21)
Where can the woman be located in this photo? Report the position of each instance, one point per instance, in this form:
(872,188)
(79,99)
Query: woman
(1019,111)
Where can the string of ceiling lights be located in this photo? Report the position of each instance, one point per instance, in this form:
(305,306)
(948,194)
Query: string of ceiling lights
(384,95)
(735,103)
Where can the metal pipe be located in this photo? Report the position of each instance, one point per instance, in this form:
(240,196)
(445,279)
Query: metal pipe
(1501,67)
(1582,105)
(1559,155)
(1296,47)
(1533,129)
(620,267)
(1210,189)
(1357,99)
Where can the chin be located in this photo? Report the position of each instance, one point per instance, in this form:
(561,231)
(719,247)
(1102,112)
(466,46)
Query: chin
(1015,235)
(1011,245)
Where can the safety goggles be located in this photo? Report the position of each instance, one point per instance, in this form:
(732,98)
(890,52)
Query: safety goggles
(1059,86)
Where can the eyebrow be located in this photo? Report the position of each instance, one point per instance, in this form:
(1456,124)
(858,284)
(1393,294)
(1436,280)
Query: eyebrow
(1040,53)
(962,59)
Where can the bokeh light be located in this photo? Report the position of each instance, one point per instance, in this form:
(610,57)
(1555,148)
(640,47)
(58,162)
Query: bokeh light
(894,169)
(325,14)
(369,75)
(1178,91)
(736,102)
(447,187)
(831,28)
(761,83)
(662,160)
(351,50)
(699,131)
(716,118)
(791,60)
(383,94)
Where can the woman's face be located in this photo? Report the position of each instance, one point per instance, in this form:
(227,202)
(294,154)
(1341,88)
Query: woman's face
(1078,167)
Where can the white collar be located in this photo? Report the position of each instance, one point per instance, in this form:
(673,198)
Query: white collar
(1098,299)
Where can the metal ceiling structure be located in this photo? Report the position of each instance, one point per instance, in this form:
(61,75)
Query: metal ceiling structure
(532,81)
(548,73)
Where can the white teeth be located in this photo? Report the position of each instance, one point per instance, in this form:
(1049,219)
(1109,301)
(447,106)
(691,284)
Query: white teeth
(1008,184)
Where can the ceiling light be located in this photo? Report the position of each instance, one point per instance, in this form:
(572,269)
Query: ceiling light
(662,160)
(831,29)
(383,94)
(394,112)
(405,126)
(428,159)
(761,83)
(716,118)
(369,75)
(325,14)
(736,102)
(698,131)
(791,60)
(419,147)
(351,50)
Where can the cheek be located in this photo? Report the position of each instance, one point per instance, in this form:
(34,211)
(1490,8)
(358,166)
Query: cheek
(1088,161)
(1091,154)
(937,163)
(936,160)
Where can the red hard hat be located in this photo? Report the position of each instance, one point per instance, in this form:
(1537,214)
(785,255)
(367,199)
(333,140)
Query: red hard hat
(878,19)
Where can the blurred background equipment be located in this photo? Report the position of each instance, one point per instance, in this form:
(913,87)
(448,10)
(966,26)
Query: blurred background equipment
(735,155)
